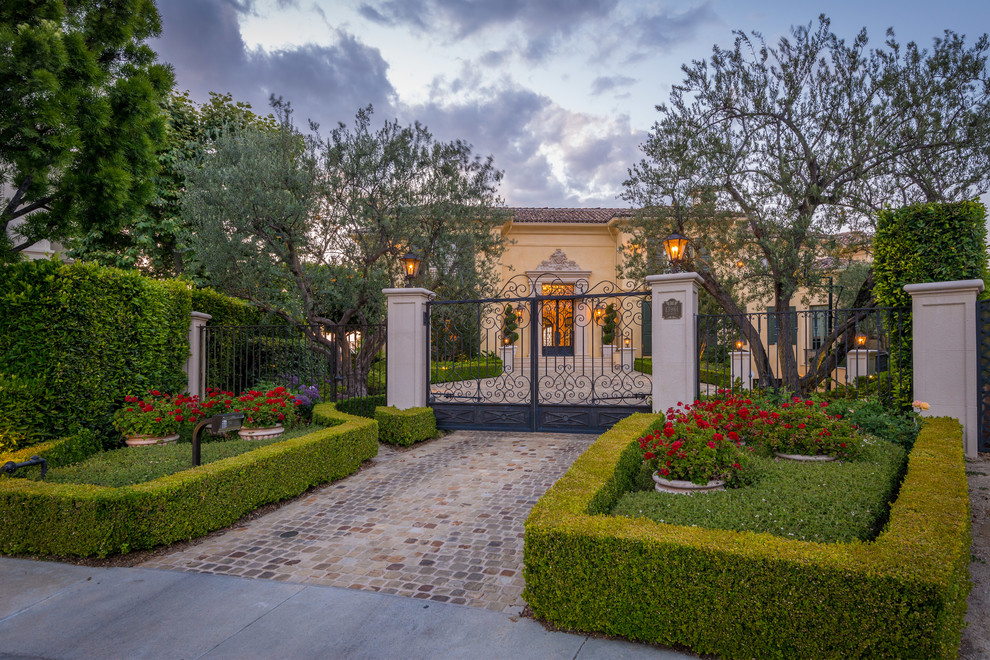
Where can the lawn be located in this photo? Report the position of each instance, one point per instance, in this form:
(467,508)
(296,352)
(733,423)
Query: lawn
(135,465)
(823,502)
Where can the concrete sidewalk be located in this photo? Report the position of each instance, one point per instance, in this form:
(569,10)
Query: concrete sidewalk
(50,610)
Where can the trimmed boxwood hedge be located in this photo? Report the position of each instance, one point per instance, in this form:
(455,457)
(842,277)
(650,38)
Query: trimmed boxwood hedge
(405,427)
(363,406)
(744,594)
(58,453)
(74,519)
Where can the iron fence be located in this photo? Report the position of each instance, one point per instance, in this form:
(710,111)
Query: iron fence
(341,361)
(843,353)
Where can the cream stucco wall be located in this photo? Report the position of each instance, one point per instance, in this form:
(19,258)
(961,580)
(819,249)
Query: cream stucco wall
(595,251)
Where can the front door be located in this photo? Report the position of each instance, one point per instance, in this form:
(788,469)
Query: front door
(558,320)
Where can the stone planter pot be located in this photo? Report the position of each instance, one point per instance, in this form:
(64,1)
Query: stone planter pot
(820,458)
(261,433)
(145,440)
(684,487)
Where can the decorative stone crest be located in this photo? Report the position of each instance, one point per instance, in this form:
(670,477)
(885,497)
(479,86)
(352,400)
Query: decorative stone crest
(558,261)
(672,309)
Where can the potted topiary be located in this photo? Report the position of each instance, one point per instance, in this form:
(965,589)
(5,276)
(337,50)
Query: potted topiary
(510,322)
(153,420)
(608,332)
(266,413)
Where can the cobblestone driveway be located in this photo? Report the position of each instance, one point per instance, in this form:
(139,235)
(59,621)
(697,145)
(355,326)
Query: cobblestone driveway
(442,521)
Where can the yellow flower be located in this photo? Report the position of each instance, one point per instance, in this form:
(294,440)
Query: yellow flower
(920,405)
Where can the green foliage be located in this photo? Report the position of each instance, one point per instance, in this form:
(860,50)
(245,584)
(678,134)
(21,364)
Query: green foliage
(902,595)
(928,243)
(823,502)
(363,406)
(74,519)
(58,453)
(608,324)
(223,309)
(449,371)
(873,418)
(405,427)
(510,323)
(925,243)
(90,335)
(137,465)
(79,121)
(21,410)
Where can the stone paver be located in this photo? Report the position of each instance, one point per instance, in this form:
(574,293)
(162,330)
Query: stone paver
(442,521)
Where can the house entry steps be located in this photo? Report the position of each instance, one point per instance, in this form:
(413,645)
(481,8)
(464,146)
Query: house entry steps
(441,521)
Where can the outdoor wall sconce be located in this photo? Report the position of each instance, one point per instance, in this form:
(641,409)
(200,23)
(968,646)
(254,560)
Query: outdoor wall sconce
(519,311)
(410,266)
(675,246)
(861,340)
(626,342)
(599,315)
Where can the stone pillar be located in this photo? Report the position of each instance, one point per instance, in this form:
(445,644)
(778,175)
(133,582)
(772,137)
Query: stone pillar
(945,352)
(675,338)
(860,362)
(627,357)
(407,357)
(741,368)
(194,363)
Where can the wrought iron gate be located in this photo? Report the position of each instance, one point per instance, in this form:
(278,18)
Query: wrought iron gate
(534,358)
(983,374)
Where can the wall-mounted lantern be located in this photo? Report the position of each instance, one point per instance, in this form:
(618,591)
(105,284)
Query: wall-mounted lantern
(626,342)
(410,266)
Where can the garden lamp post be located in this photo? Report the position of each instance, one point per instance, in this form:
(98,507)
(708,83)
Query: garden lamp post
(675,245)
(410,266)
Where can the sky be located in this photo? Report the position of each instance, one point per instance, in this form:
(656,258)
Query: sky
(561,93)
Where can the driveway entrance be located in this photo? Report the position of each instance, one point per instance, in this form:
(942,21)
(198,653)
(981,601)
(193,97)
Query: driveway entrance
(442,521)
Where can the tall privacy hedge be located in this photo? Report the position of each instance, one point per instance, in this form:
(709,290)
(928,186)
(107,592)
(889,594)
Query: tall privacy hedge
(224,309)
(925,243)
(75,338)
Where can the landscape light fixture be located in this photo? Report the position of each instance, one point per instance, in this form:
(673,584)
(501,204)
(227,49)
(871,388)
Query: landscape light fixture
(861,340)
(739,344)
(675,245)
(410,266)
(626,342)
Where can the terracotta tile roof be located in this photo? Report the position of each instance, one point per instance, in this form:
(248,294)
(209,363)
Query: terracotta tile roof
(591,216)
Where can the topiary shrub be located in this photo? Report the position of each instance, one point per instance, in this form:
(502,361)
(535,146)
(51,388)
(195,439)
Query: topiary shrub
(608,324)
(405,427)
(509,325)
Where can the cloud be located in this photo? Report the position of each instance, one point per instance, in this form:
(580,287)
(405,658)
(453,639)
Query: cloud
(603,84)
(661,30)
(551,156)
(202,40)
(543,25)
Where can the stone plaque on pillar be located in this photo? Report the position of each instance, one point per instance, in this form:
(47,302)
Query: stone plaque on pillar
(672,309)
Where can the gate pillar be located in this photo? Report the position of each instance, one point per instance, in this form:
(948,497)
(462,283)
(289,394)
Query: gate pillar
(407,361)
(945,359)
(675,338)
(194,363)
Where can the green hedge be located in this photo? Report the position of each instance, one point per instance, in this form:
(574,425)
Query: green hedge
(22,410)
(743,594)
(59,453)
(91,335)
(73,519)
(363,406)
(223,309)
(405,427)
(925,243)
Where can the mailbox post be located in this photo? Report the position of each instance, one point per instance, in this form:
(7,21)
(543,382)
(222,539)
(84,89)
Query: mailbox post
(217,424)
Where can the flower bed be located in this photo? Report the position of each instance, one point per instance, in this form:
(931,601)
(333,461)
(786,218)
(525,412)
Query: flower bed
(902,595)
(73,519)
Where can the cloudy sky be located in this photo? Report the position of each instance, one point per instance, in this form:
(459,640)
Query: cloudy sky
(560,92)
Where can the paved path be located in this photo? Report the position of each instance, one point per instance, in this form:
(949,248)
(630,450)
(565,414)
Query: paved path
(440,522)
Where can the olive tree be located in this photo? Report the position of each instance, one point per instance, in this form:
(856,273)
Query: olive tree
(310,229)
(765,154)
